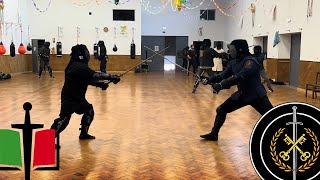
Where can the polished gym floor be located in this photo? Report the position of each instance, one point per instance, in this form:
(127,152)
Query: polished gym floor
(146,127)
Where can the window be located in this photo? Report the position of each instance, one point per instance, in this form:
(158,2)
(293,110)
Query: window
(123,15)
(208,15)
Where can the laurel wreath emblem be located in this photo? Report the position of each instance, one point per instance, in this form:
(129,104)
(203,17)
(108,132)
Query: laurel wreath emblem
(315,152)
(287,168)
(273,151)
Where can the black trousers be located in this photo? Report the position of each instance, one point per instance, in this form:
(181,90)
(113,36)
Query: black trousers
(262,105)
(185,63)
(103,65)
(43,64)
(192,62)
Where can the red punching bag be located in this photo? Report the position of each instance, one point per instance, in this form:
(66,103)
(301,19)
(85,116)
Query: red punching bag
(2,49)
(22,49)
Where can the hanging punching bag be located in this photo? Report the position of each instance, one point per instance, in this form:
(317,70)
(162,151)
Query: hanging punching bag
(22,49)
(29,47)
(12,50)
(59,49)
(95,51)
(2,49)
(133,51)
(115,49)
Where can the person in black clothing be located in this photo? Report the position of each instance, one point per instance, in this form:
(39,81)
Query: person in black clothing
(103,57)
(208,55)
(78,76)
(44,54)
(243,71)
(261,57)
(192,59)
(185,57)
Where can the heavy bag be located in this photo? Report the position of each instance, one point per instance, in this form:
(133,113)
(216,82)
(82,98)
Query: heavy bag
(133,51)
(96,51)
(29,47)
(115,49)
(22,49)
(2,49)
(12,50)
(59,49)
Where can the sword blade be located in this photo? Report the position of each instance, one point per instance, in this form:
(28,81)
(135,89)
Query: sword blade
(294,108)
(172,62)
(143,62)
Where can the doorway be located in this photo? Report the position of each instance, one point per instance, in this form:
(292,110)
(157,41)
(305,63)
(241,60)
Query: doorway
(295,59)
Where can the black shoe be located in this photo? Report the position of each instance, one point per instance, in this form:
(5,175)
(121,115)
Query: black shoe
(86,136)
(210,137)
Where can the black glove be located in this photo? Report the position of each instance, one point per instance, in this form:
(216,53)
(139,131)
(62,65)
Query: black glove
(216,87)
(211,79)
(102,85)
(114,78)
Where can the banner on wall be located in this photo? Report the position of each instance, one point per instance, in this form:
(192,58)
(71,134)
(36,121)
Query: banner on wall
(124,31)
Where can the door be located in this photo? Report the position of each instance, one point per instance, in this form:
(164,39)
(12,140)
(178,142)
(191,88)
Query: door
(156,43)
(181,42)
(295,59)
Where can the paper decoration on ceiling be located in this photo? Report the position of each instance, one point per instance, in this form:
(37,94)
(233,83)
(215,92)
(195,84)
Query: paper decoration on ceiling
(38,9)
(310,7)
(253,11)
(179,4)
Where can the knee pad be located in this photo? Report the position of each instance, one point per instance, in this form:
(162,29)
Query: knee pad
(87,117)
(61,123)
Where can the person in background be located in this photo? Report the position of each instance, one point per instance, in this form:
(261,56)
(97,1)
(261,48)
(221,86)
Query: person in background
(44,54)
(192,59)
(217,61)
(261,57)
(103,57)
(185,57)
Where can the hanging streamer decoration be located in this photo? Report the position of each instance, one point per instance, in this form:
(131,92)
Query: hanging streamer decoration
(78,35)
(38,9)
(83,4)
(310,7)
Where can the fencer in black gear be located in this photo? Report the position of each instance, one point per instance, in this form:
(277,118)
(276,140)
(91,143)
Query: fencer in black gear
(44,54)
(78,76)
(243,71)
(103,57)
(208,55)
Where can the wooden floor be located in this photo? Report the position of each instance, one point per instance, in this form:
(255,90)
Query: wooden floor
(147,127)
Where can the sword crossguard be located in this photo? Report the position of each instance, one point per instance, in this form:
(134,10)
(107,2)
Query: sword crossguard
(292,123)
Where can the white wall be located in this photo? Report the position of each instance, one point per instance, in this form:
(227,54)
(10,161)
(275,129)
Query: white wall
(69,16)
(183,23)
(10,13)
(296,10)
